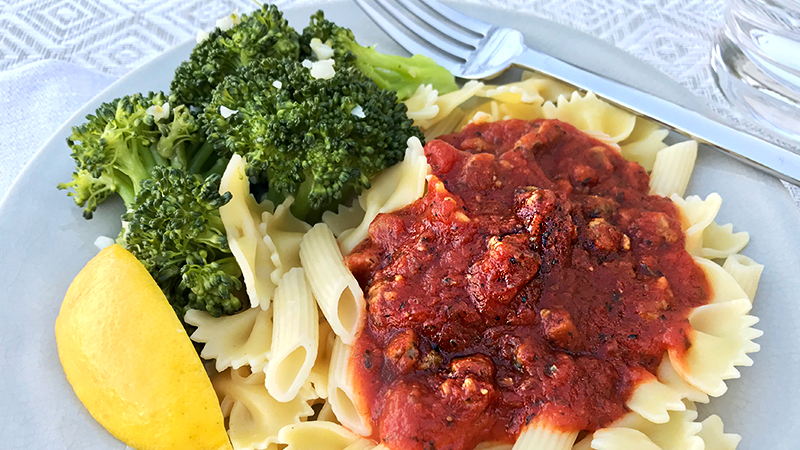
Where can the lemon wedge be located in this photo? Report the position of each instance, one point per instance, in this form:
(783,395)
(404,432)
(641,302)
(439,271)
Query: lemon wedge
(130,362)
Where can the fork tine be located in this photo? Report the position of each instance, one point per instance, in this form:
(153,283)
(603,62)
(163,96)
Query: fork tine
(433,39)
(402,37)
(462,20)
(455,32)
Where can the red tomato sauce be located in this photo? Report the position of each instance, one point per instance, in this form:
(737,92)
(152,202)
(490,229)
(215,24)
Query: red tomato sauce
(536,280)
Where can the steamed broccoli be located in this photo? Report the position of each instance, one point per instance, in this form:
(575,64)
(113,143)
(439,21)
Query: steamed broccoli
(174,228)
(397,73)
(261,34)
(123,141)
(318,140)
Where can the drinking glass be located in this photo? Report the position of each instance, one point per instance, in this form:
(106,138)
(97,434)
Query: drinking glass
(756,61)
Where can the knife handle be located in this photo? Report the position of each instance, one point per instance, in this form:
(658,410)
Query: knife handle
(749,149)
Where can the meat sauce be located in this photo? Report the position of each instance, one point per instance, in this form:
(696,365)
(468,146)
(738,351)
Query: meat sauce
(536,280)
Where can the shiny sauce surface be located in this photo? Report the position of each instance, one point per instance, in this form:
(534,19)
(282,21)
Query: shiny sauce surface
(535,280)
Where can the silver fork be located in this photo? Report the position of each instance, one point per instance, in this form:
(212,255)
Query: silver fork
(470,48)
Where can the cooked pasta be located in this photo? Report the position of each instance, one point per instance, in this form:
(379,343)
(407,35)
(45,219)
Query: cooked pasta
(525,91)
(713,436)
(326,413)
(719,241)
(422,106)
(254,417)
(493,446)
(644,143)
(282,233)
(709,362)
(621,439)
(341,393)
(653,400)
(319,372)
(667,375)
(588,113)
(318,435)
(672,169)
(542,436)
(345,218)
(725,286)
(444,104)
(295,335)
(547,88)
(233,341)
(680,432)
(696,216)
(604,138)
(745,271)
(493,111)
(392,189)
(242,220)
(336,290)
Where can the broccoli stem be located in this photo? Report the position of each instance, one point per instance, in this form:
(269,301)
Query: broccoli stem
(217,169)
(135,164)
(400,74)
(200,158)
(301,206)
(126,191)
(230,266)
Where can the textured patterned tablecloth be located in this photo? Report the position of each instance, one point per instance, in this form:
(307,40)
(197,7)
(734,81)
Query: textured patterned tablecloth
(83,45)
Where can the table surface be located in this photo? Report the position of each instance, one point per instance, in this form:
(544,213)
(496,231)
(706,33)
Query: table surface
(83,45)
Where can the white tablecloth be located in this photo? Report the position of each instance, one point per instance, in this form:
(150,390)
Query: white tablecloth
(57,54)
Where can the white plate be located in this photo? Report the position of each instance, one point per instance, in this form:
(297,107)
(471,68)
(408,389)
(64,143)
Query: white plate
(44,242)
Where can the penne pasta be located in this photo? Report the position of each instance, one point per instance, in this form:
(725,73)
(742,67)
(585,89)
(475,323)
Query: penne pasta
(295,336)
(673,168)
(334,287)
(319,372)
(541,436)
(341,391)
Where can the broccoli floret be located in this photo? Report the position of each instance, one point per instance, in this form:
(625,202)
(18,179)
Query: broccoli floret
(318,140)
(261,34)
(174,228)
(122,142)
(397,73)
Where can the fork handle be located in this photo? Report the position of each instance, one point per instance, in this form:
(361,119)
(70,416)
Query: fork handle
(749,149)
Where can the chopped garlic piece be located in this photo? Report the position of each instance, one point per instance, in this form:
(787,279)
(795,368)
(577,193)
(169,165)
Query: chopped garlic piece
(321,50)
(201,36)
(159,113)
(226,112)
(227,22)
(358,111)
(307,63)
(277,84)
(323,70)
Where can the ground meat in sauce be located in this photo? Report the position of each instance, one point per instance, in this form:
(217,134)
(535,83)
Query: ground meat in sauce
(535,280)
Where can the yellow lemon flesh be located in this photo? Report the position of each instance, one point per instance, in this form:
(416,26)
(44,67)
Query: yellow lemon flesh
(130,362)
